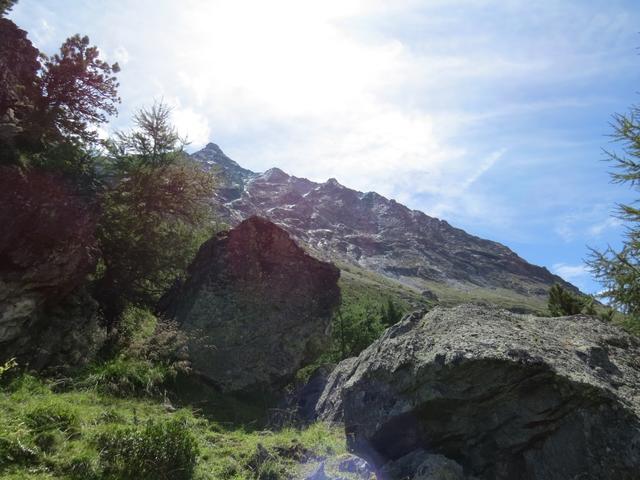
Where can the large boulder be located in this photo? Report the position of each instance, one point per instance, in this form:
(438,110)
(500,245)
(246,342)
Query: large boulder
(47,249)
(502,395)
(255,306)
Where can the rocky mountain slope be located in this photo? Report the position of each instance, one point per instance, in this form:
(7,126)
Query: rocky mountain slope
(370,232)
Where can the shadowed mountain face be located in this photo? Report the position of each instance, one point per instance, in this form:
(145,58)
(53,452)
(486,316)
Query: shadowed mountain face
(372,232)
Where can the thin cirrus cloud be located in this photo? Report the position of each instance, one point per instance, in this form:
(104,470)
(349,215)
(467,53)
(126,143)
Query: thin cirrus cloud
(576,274)
(488,113)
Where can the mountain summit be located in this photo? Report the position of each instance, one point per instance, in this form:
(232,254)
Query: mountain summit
(370,232)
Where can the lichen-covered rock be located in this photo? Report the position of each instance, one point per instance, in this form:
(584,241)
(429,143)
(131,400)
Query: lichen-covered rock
(256,307)
(328,408)
(47,248)
(64,335)
(505,396)
(342,467)
(421,465)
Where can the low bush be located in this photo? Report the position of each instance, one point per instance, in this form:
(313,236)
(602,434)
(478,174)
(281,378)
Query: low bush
(8,365)
(124,377)
(13,451)
(161,450)
(52,415)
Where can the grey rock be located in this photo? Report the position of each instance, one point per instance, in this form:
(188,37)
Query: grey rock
(429,295)
(343,467)
(505,396)
(255,307)
(328,408)
(355,465)
(318,473)
(421,465)
(299,405)
(47,249)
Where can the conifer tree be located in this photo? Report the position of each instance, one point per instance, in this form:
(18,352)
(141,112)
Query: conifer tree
(563,302)
(155,213)
(619,270)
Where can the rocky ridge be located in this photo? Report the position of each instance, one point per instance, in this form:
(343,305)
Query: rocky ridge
(370,231)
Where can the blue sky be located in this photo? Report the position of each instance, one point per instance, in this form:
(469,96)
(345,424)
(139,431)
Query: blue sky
(490,114)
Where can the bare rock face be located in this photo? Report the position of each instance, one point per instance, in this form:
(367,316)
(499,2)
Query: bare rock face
(46,251)
(500,395)
(255,306)
(329,406)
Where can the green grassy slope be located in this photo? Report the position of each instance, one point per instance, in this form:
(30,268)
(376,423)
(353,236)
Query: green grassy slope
(357,282)
(84,434)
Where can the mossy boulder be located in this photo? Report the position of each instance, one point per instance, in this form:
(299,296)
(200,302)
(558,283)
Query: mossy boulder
(255,307)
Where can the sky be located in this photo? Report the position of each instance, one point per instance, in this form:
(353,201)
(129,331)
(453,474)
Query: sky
(490,114)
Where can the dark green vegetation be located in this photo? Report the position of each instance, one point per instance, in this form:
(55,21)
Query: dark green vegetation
(366,310)
(156,214)
(145,203)
(562,302)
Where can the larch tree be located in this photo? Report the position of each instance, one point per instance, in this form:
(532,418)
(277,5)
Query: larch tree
(619,269)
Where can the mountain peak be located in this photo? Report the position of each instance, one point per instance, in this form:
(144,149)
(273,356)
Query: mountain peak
(275,175)
(212,147)
(332,182)
(378,234)
(212,155)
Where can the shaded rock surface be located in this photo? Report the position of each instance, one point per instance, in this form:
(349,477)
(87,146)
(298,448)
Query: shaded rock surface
(371,231)
(421,465)
(344,467)
(504,396)
(298,405)
(255,306)
(328,408)
(46,251)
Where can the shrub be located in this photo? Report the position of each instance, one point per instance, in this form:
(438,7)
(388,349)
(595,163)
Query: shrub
(563,302)
(27,386)
(164,450)
(52,415)
(136,325)
(125,377)
(267,466)
(5,367)
(13,451)
(81,467)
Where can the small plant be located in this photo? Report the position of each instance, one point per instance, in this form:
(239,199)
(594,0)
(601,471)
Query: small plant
(5,367)
(563,302)
(13,451)
(52,415)
(163,450)
(124,377)
(82,467)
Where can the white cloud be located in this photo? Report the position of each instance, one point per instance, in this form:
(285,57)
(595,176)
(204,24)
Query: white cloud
(599,228)
(192,125)
(565,231)
(43,32)
(572,273)
(121,55)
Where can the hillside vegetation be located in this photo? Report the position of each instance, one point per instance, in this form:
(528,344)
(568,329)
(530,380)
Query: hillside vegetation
(51,430)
